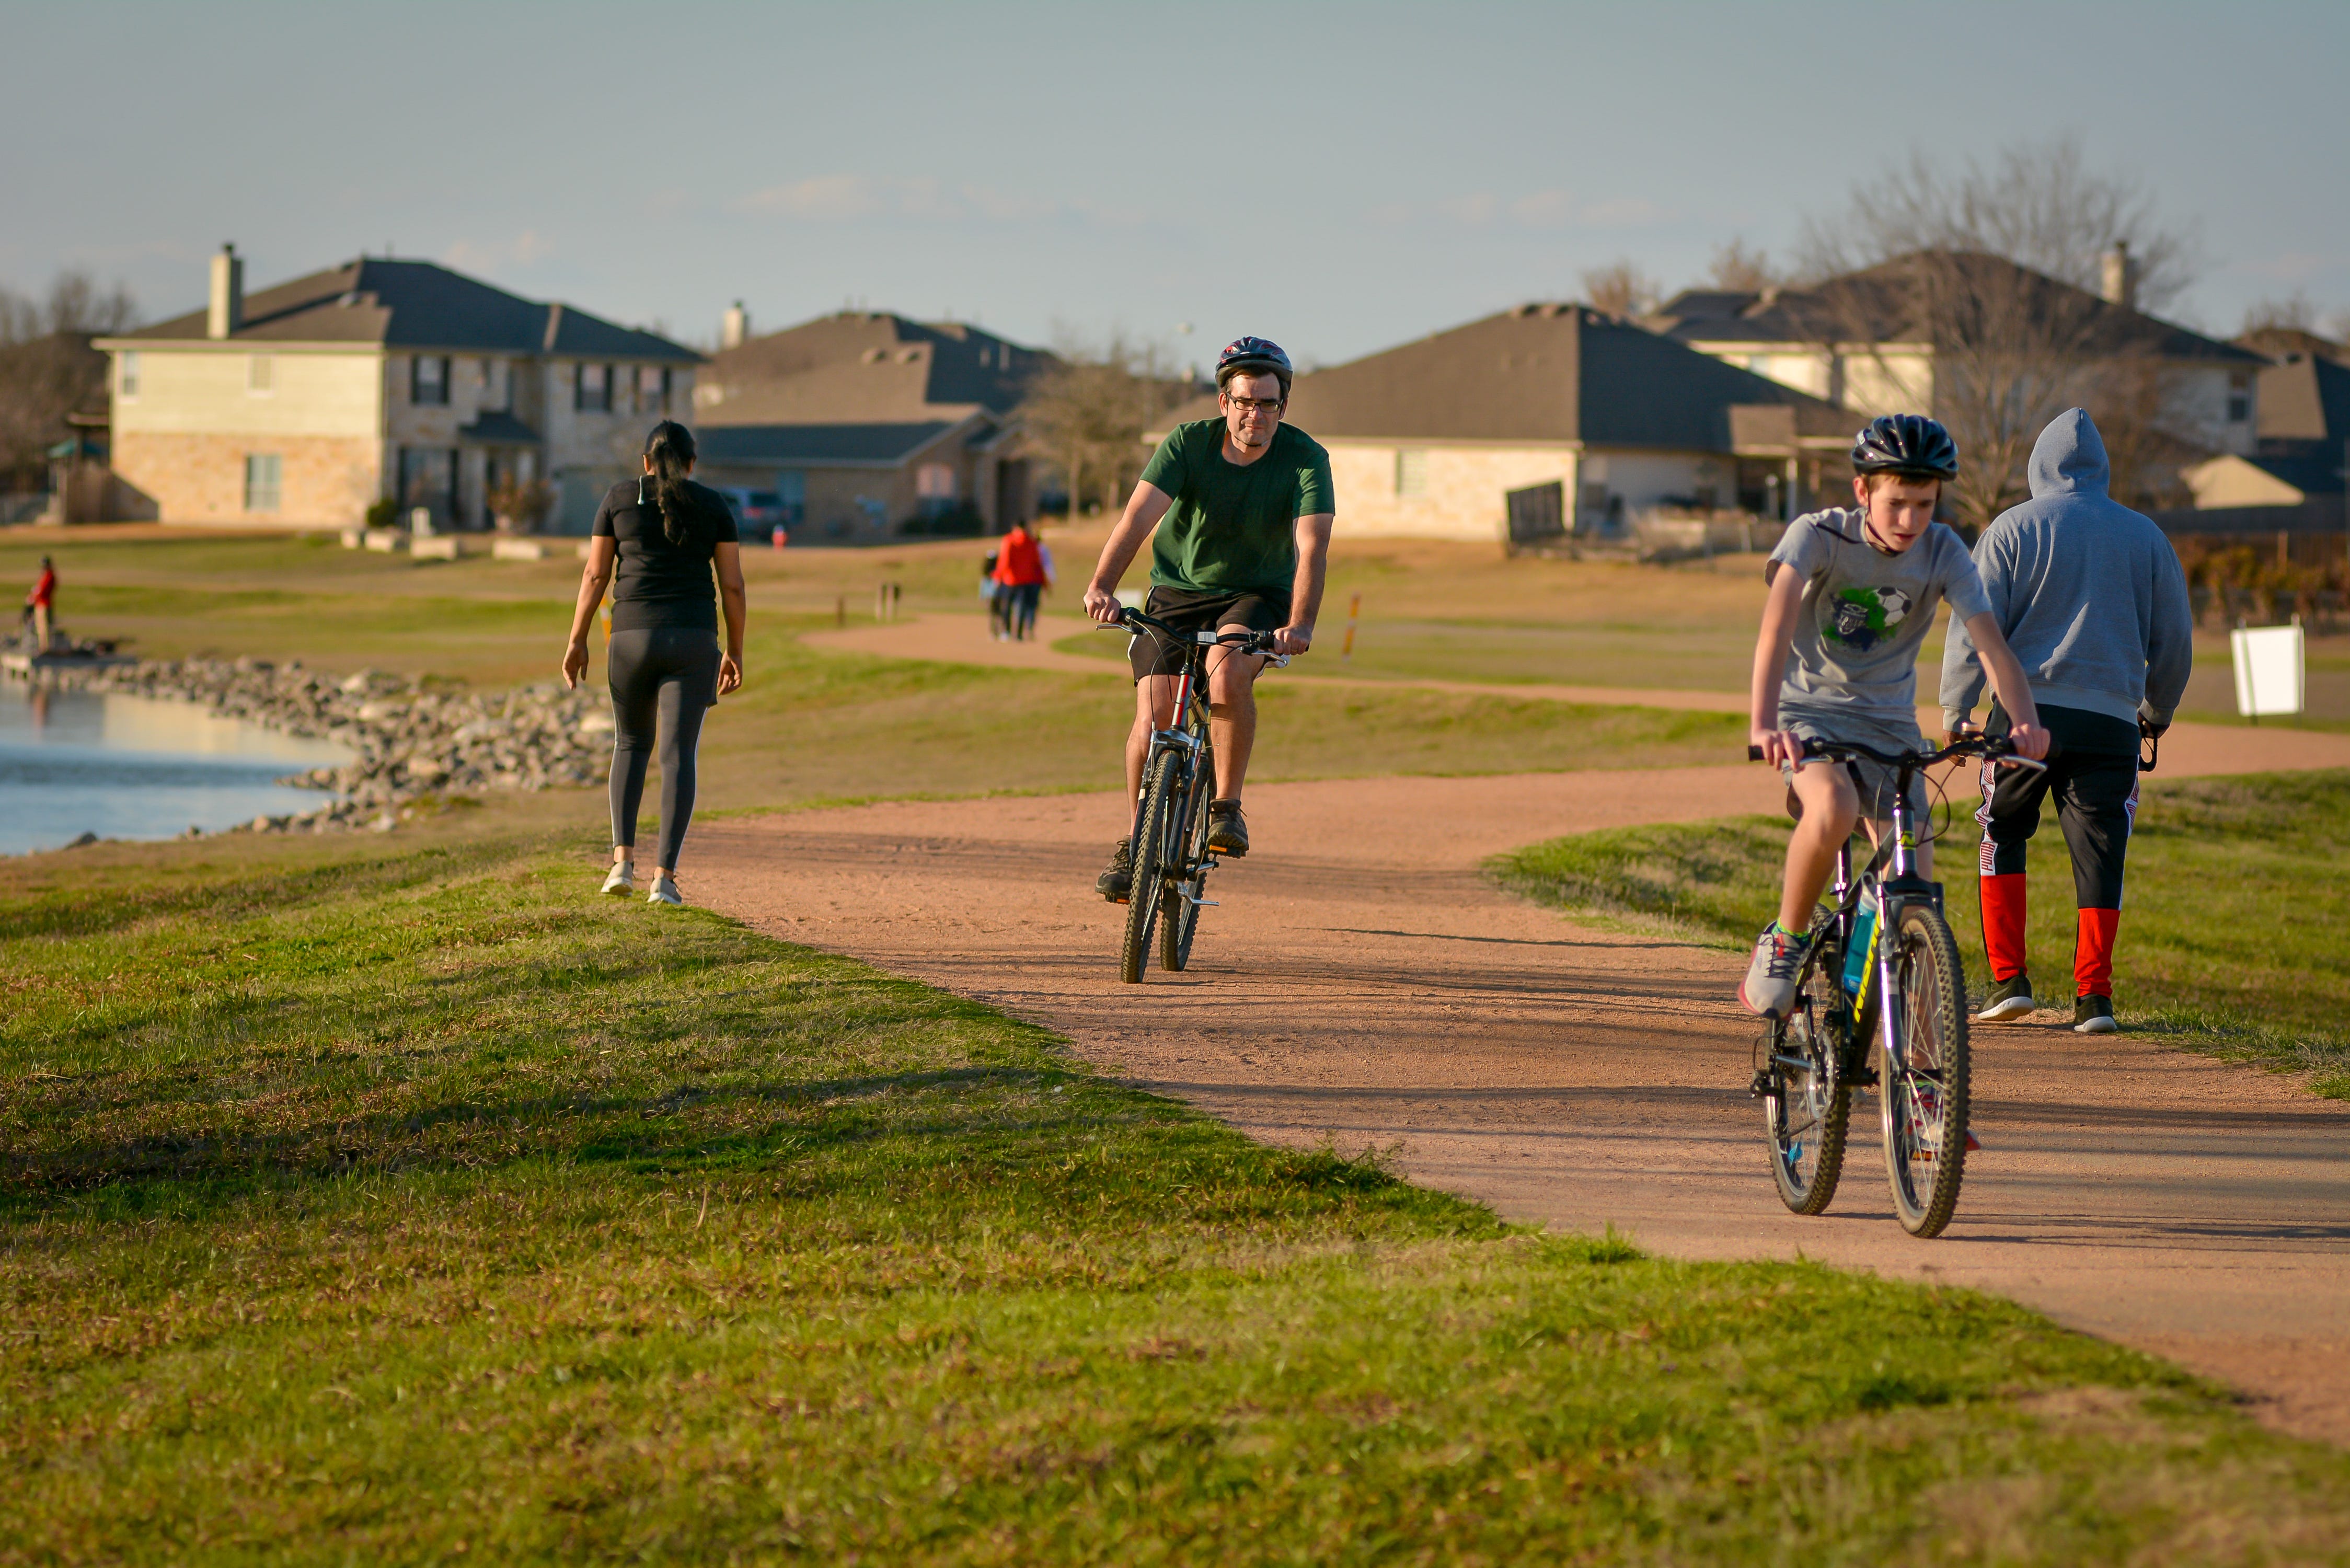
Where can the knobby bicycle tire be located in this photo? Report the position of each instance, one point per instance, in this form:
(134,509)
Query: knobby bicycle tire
(1178,922)
(1806,1120)
(1149,883)
(1926,1097)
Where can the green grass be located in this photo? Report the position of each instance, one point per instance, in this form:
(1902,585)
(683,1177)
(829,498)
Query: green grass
(398,1204)
(2238,893)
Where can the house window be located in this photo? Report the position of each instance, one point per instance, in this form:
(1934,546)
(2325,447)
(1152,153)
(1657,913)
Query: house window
(2239,397)
(428,477)
(652,389)
(591,392)
(935,483)
(262,472)
(1411,472)
(126,381)
(260,374)
(428,378)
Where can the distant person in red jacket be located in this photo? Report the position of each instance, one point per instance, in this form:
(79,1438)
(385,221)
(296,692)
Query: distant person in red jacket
(40,605)
(1020,568)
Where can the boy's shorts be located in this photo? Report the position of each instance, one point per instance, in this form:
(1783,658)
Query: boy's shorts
(1876,780)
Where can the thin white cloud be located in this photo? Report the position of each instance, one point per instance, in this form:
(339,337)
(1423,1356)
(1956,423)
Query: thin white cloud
(824,198)
(487,257)
(1543,209)
(1622,213)
(1548,209)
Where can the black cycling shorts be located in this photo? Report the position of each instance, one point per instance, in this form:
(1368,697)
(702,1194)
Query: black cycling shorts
(1200,609)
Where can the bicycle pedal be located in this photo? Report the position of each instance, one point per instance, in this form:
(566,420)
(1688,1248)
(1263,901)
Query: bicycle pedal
(1761,1088)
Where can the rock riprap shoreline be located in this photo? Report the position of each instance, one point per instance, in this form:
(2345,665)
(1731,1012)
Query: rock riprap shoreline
(407,740)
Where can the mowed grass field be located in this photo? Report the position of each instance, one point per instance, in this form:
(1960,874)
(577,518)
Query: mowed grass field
(373,1202)
(2237,896)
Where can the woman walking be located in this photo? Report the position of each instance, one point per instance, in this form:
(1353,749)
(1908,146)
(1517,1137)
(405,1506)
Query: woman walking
(655,541)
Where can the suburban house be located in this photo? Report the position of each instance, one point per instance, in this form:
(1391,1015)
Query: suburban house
(865,424)
(1554,418)
(1866,339)
(307,402)
(2304,441)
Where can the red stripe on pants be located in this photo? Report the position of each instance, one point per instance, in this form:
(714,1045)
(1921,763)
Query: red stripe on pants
(2093,952)
(2003,923)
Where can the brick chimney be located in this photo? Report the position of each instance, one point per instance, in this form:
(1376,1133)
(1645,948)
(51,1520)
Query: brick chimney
(227,312)
(734,330)
(2119,283)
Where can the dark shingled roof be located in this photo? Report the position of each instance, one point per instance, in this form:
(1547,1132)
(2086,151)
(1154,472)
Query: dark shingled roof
(1553,373)
(867,365)
(878,445)
(497,428)
(1882,305)
(417,305)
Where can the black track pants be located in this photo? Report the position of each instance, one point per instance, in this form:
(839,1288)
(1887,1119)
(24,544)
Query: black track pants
(2093,773)
(664,678)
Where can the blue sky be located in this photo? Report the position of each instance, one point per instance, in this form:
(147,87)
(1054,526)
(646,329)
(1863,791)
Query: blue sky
(1337,177)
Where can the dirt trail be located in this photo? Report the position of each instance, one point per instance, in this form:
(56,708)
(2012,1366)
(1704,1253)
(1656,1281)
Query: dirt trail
(1361,982)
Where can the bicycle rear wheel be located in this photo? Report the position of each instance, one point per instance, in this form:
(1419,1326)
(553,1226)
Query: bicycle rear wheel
(1925,1091)
(1807,1118)
(1187,870)
(1161,797)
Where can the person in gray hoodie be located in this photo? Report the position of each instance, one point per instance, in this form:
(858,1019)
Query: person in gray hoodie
(2091,598)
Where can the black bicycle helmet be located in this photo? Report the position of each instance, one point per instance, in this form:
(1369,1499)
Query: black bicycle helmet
(1906,443)
(1252,356)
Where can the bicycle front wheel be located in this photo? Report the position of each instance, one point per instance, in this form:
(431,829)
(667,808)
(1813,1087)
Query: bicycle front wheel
(1161,799)
(1807,1112)
(1922,1081)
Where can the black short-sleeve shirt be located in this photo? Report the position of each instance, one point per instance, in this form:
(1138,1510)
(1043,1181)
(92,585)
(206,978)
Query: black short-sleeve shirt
(656,583)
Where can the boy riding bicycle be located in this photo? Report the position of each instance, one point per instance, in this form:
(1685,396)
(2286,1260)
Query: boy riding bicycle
(1242,508)
(1836,661)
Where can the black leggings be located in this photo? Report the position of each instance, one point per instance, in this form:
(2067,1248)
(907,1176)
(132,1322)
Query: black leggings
(664,678)
(2093,773)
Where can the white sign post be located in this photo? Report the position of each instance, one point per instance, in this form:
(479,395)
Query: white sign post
(2267,669)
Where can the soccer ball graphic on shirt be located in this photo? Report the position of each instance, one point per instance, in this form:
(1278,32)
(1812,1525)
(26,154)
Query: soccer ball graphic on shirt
(1864,617)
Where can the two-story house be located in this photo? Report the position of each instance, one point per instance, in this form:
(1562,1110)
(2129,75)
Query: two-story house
(304,403)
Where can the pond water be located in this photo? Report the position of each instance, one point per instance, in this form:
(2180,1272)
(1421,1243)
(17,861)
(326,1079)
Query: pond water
(135,767)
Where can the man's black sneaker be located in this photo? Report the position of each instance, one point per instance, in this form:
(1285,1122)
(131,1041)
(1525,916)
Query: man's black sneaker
(1227,828)
(2093,1015)
(2009,1000)
(1116,879)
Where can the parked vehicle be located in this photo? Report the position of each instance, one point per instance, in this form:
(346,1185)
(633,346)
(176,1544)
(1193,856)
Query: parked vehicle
(757,510)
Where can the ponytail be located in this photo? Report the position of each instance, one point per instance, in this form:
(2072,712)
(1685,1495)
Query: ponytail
(669,450)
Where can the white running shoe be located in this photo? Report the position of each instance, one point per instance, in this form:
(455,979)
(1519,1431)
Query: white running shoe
(622,882)
(1770,986)
(664,891)
(2010,1000)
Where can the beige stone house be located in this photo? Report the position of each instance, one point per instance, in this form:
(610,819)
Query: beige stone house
(304,403)
(2304,441)
(1864,339)
(867,425)
(1551,419)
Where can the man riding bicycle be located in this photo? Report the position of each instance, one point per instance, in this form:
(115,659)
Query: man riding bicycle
(1244,507)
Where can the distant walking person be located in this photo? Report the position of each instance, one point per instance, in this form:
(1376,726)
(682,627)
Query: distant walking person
(1020,571)
(2090,597)
(40,604)
(659,535)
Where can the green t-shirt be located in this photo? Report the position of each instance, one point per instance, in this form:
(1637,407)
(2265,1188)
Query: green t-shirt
(1233,525)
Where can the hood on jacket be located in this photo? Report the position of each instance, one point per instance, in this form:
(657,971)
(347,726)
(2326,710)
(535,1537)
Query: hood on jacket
(2069,458)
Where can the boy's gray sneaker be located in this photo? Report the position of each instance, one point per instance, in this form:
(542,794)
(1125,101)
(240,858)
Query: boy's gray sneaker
(664,892)
(1770,985)
(622,882)
(2011,999)
(2093,1015)
(1116,879)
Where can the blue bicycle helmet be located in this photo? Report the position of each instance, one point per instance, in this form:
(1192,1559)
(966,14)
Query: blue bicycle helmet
(1908,444)
(1252,356)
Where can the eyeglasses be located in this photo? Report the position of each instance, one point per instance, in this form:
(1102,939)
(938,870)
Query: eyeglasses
(1256,405)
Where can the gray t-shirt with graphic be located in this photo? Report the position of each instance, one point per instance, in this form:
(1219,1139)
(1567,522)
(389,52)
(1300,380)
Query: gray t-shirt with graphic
(1852,666)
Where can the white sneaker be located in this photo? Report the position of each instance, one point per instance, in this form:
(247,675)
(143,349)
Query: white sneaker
(1770,985)
(664,892)
(623,879)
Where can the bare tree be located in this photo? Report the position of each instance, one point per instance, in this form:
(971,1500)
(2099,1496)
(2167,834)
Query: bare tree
(1741,270)
(1998,270)
(47,368)
(1620,288)
(1089,409)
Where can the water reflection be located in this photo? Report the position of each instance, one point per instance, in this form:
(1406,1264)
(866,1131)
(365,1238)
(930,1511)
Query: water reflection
(135,767)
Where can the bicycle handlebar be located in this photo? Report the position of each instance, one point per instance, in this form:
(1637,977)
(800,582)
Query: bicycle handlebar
(1259,643)
(1993,748)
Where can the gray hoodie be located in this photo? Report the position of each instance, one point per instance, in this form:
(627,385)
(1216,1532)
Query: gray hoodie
(2087,592)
